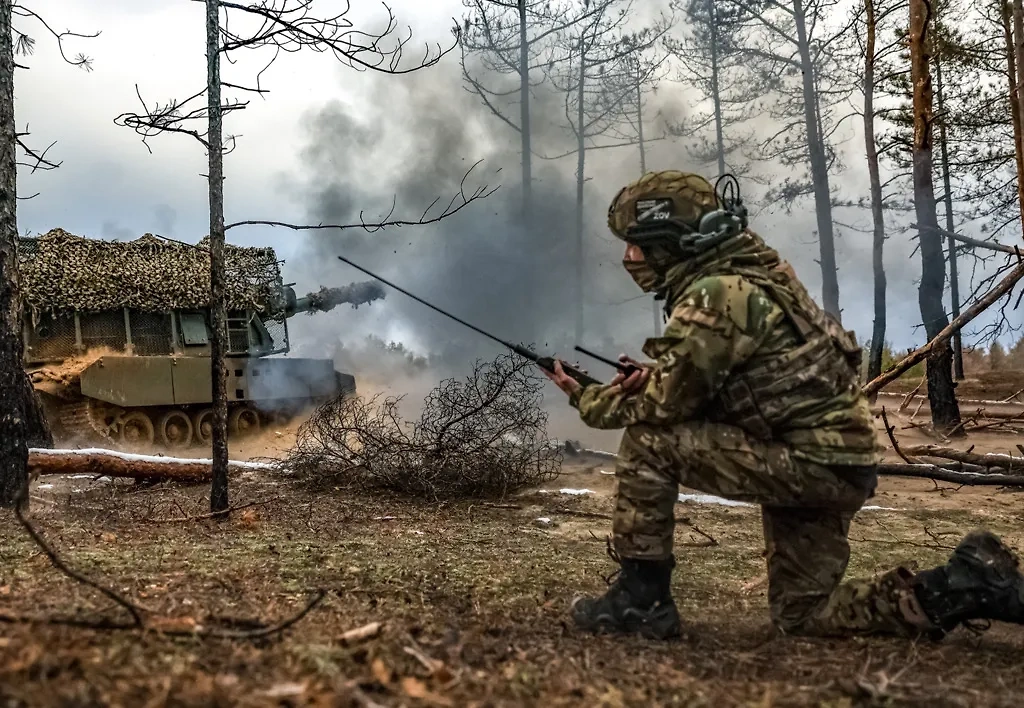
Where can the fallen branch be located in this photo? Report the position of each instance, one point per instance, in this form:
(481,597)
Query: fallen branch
(60,565)
(980,305)
(1011,399)
(359,634)
(200,517)
(909,397)
(927,471)
(891,432)
(963,474)
(989,460)
(681,520)
(137,621)
(896,540)
(1006,402)
(981,413)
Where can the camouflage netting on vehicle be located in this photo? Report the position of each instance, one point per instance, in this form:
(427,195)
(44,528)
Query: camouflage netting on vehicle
(61,271)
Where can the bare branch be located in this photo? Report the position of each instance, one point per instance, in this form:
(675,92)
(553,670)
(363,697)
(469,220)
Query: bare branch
(979,306)
(990,245)
(25,44)
(459,201)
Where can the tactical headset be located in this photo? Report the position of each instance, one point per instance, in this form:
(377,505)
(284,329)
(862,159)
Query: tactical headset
(657,227)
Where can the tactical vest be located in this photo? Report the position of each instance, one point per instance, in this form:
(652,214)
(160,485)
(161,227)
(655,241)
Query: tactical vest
(763,396)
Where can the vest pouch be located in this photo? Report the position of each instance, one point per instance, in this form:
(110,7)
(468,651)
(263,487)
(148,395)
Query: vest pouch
(737,405)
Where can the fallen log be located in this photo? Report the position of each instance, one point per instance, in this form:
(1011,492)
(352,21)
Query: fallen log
(97,462)
(988,460)
(978,476)
(940,474)
(920,354)
(1008,403)
(981,413)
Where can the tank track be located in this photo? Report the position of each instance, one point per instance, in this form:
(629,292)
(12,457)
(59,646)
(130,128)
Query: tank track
(85,420)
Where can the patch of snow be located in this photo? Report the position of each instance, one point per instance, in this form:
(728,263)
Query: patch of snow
(543,519)
(45,486)
(606,472)
(130,457)
(879,508)
(577,491)
(710,499)
(384,518)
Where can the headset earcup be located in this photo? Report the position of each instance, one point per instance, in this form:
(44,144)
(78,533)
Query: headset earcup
(712,223)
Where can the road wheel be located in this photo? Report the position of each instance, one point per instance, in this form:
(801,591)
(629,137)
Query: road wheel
(137,429)
(243,423)
(202,426)
(175,430)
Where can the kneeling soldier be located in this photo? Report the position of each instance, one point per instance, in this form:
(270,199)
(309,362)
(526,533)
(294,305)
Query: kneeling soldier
(753,395)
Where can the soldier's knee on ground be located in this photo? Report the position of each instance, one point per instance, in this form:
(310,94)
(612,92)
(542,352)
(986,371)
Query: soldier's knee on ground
(884,605)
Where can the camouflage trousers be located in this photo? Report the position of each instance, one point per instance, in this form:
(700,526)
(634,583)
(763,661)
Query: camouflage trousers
(806,513)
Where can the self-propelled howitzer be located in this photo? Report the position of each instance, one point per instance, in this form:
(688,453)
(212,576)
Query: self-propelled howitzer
(117,338)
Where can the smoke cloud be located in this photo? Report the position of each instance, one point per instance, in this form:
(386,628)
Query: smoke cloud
(408,142)
(484,264)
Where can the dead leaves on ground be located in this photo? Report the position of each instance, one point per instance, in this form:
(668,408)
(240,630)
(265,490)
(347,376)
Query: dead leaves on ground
(427,684)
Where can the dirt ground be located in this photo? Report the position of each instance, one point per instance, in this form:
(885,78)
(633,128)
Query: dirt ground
(478,592)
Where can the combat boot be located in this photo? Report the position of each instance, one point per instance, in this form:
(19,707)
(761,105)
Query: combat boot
(980,581)
(639,601)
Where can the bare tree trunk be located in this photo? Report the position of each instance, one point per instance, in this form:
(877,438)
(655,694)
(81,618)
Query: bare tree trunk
(819,172)
(640,124)
(219,488)
(1015,109)
(877,216)
(947,200)
(1018,89)
(655,306)
(715,97)
(524,113)
(13,447)
(941,391)
(581,153)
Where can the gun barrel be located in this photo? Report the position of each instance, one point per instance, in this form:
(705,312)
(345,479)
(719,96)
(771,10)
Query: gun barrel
(327,299)
(547,363)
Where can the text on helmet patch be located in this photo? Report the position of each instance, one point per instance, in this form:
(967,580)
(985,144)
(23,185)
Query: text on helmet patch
(653,209)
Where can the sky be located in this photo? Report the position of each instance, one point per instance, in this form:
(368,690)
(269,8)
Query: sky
(327,141)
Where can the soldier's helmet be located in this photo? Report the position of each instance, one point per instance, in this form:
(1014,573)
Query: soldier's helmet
(668,198)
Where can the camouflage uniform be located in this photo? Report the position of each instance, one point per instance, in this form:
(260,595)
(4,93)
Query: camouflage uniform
(753,395)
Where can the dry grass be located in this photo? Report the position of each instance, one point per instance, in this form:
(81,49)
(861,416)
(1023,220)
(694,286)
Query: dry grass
(480,588)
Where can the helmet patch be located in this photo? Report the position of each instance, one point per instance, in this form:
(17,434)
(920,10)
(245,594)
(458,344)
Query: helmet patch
(648,210)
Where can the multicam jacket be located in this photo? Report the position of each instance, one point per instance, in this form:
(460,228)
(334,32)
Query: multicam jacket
(745,344)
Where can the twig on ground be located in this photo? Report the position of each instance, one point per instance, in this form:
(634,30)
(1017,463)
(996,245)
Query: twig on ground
(199,517)
(709,539)
(891,432)
(581,514)
(681,520)
(908,398)
(60,565)
(137,623)
(359,634)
